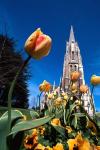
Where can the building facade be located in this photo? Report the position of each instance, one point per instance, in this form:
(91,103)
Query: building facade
(73,62)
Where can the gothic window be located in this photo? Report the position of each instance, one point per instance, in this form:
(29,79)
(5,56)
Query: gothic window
(75,67)
(77,53)
(70,67)
(72,55)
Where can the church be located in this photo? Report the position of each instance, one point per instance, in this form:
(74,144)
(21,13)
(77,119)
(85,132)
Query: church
(73,62)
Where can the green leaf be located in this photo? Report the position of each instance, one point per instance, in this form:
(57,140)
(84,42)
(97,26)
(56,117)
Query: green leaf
(60,130)
(34,114)
(15,115)
(30,124)
(29,113)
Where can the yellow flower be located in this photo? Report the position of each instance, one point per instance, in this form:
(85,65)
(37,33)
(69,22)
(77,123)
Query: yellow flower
(38,44)
(75,76)
(45,86)
(65,97)
(72,143)
(69,129)
(98,147)
(55,93)
(34,133)
(95,80)
(74,87)
(84,89)
(55,122)
(80,143)
(58,146)
(31,141)
(83,144)
(58,101)
(39,147)
(50,96)
(48,148)
(63,93)
(41,130)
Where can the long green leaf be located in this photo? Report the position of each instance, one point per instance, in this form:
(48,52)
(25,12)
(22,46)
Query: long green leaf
(4,126)
(30,124)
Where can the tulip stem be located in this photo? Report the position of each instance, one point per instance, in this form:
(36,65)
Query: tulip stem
(40,102)
(12,89)
(91,101)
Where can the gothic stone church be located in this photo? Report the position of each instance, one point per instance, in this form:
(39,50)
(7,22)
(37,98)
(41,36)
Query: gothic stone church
(73,62)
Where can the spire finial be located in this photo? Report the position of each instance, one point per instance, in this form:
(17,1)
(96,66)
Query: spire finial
(54,86)
(71,37)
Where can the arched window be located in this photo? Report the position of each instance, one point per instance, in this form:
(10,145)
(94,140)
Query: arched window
(75,67)
(70,67)
(72,55)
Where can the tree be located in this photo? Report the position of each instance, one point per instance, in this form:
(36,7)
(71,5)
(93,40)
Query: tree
(10,61)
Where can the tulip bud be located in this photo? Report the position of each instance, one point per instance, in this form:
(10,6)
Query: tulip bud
(74,87)
(38,44)
(45,86)
(84,89)
(75,76)
(95,80)
(50,96)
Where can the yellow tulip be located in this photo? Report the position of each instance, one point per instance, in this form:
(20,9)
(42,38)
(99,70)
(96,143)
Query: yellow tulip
(58,101)
(45,86)
(95,80)
(38,44)
(84,89)
(66,97)
(50,96)
(74,87)
(75,76)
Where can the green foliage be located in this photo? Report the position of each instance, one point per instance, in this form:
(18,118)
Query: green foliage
(10,61)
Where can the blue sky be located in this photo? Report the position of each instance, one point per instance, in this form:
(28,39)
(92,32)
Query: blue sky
(55,17)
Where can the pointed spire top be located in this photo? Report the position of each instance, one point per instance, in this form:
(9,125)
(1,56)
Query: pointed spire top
(71,37)
(54,86)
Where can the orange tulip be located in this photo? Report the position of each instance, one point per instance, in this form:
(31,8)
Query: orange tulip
(45,86)
(84,89)
(75,76)
(38,44)
(95,80)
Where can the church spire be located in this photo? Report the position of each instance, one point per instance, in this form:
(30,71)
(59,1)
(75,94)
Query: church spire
(71,37)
